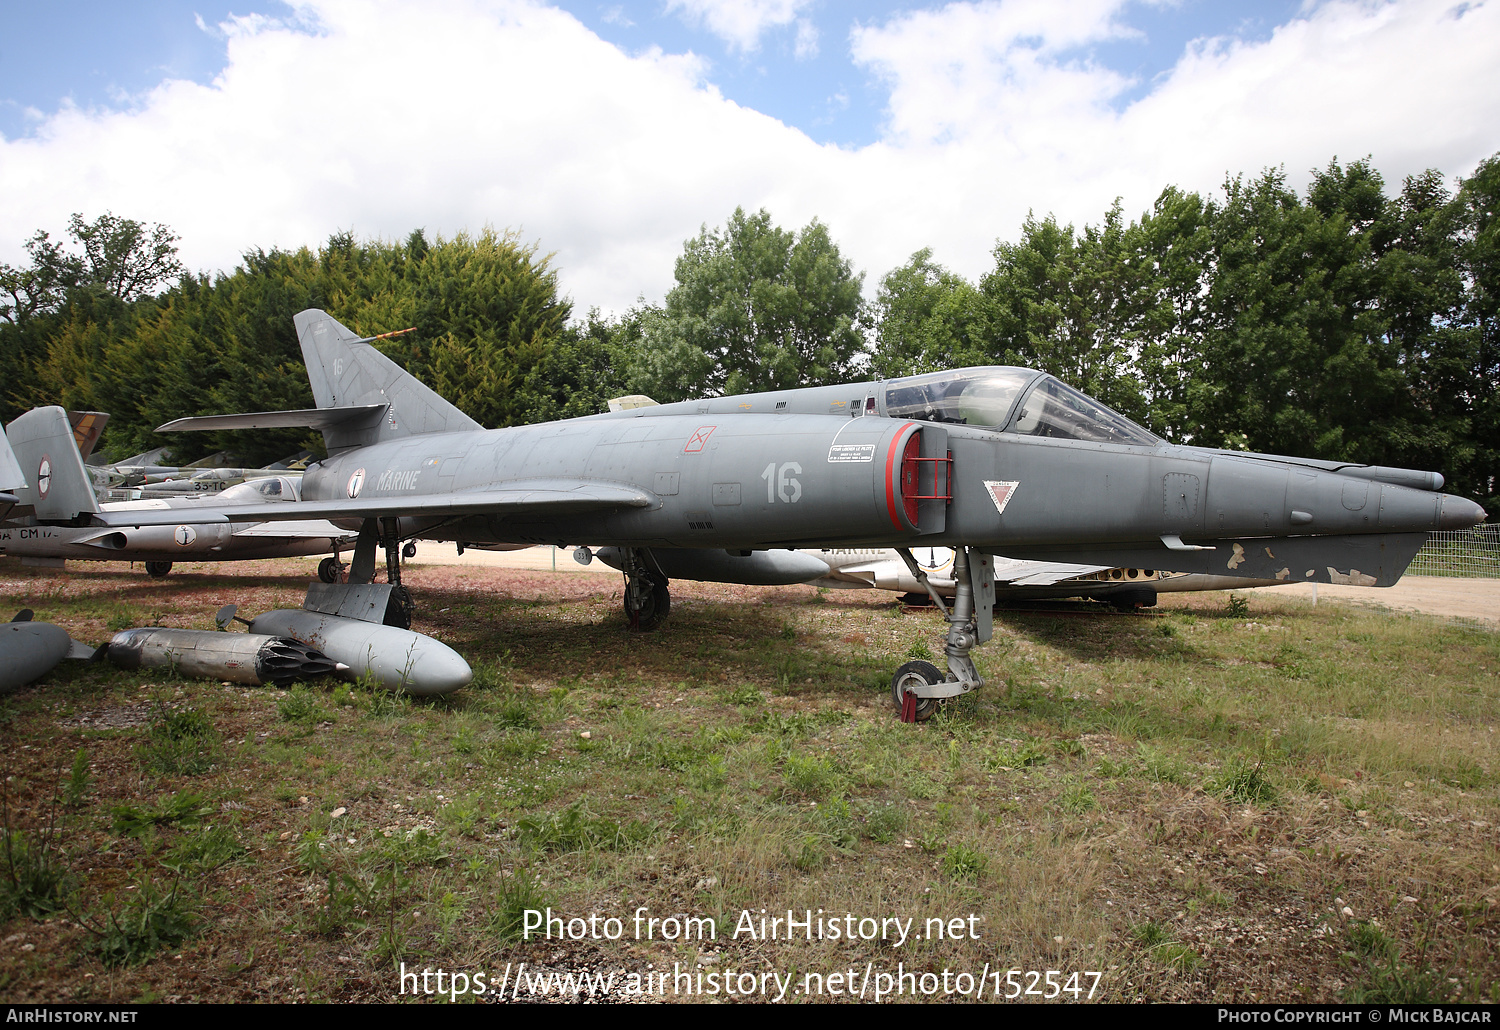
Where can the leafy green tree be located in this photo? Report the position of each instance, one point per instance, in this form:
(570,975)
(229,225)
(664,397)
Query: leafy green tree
(490,308)
(755,307)
(585,367)
(926,319)
(1068,304)
(88,293)
(1306,353)
(125,258)
(1478,204)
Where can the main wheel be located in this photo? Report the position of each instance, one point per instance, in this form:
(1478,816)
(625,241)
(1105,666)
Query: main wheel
(330,569)
(1130,600)
(916,674)
(409,551)
(158,569)
(654,612)
(398,609)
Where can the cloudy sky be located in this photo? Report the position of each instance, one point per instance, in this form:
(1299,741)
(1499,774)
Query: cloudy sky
(607,133)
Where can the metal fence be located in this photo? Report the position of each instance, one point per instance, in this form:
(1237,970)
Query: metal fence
(1465,553)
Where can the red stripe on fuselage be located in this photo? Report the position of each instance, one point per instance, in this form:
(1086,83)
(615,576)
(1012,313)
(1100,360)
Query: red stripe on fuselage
(890,481)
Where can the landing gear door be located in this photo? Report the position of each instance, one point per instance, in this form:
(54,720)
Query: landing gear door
(982,576)
(934,482)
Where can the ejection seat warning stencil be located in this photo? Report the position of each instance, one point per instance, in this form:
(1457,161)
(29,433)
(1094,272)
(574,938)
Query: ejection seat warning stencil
(1000,493)
(851,452)
(699,438)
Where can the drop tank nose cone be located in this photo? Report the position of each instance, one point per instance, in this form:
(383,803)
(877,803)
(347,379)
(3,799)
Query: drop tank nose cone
(1459,513)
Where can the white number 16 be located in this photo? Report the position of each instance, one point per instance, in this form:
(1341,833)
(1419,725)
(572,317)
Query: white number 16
(784,485)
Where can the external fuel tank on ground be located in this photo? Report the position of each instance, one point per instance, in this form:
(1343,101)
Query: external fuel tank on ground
(253,658)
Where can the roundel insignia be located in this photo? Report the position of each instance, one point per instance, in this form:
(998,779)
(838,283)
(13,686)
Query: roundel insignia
(933,558)
(355,482)
(44,476)
(184,535)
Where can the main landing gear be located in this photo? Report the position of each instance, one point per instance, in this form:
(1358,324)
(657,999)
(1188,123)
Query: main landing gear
(331,570)
(919,688)
(398,611)
(647,600)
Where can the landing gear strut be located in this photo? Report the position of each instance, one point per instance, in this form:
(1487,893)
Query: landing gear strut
(647,600)
(918,688)
(398,612)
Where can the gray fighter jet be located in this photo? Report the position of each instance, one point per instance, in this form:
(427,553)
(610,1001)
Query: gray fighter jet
(982,460)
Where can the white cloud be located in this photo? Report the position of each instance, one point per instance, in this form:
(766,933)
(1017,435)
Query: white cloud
(381,117)
(806,46)
(992,107)
(741,23)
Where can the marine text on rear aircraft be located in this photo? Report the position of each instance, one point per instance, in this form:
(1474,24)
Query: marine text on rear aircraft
(391,480)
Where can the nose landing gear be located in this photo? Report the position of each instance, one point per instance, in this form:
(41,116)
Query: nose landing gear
(919,688)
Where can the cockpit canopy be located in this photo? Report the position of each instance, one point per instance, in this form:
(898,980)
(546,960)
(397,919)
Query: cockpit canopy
(254,491)
(1013,400)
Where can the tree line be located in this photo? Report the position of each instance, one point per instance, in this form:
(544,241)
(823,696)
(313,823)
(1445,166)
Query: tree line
(1347,322)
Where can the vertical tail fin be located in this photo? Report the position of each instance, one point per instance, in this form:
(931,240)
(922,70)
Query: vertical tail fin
(58,487)
(345,370)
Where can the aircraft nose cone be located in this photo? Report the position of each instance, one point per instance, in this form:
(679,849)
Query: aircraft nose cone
(1459,513)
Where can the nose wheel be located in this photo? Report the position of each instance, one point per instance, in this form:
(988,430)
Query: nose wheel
(919,688)
(911,675)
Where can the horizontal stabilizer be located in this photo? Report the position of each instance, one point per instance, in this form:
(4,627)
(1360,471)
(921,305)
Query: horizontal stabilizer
(533,498)
(354,416)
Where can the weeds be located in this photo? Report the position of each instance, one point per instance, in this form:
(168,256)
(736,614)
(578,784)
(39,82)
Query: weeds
(208,849)
(962,862)
(185,808)
(149,922)
(1243,785)
(1163,948)
(884,823)
(35,881)
(183,742)
(297,706)
(1078,799)
(810,774)
(576,829)
(1238,607)
(519,893)
(76,787)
